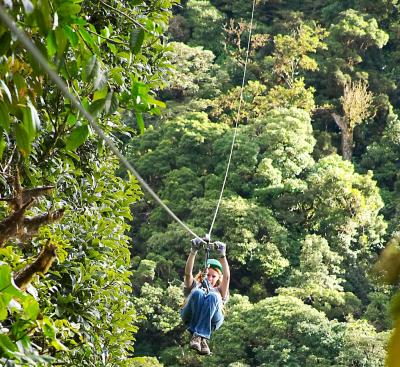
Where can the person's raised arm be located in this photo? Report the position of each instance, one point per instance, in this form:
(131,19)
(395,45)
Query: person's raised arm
(188,276)
(224,287)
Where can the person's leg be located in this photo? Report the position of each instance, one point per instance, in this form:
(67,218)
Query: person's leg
(217,319)
(191,312)
(209,309)
(190,315)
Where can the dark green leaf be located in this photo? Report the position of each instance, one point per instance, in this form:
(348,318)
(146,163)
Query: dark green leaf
(77,137)
(136,40)
(5,40)
(96,107)
(4,117)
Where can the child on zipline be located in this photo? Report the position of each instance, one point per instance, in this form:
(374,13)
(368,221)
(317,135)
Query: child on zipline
(202,312)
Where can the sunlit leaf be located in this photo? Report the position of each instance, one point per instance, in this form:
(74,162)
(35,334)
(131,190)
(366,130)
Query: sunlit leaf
(66,9)
(86,36)
(71,35)
(34,118)
(6,90)
(23,141)
(31,307)
(51,43)
(100,94)
(3,144)
(7,344)
(3,306)
(58,345)
(140,121)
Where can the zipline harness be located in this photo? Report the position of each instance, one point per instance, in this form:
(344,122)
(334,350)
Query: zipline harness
(29,46)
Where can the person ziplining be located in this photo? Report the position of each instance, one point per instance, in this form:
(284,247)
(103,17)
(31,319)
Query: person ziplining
(206,294)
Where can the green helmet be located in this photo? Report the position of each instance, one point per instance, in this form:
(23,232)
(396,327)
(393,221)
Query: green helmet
(215,264)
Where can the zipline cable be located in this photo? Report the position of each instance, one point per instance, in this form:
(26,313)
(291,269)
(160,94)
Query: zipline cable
(29,46)
(236,122)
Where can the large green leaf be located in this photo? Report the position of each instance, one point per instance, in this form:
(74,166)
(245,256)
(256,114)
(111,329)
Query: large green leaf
(136,40)
(71,35)
(5,276)
(77,137)
(66,9)
(51,43)
(62,41)
(23,141)
(140,121)
(96,107)
(31,307)
(7,345)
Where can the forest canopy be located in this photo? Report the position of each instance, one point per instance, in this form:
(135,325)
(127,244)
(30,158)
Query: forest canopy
(91,267)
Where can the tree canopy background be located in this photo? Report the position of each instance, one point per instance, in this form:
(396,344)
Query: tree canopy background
(312,197)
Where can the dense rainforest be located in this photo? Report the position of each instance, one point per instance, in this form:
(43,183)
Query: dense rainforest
(91,266)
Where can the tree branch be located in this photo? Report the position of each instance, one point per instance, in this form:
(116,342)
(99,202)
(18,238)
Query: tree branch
(340,121)
(135,22)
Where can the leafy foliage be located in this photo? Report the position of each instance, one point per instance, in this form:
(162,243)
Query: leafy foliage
(112,58)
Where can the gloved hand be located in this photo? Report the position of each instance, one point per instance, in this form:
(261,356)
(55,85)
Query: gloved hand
(221,248)
(196,244)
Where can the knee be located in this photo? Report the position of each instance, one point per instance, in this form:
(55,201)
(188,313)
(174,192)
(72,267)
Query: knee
(213,297)
(197,293)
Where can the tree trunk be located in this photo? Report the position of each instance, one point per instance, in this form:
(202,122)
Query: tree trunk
(347,136)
